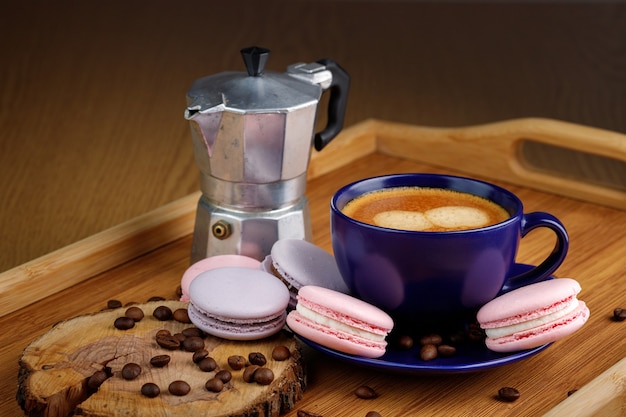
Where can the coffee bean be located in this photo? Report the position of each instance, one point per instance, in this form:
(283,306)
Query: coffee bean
(619,314)
(96,380)
(114,304)
(159,361)
(134,313)
(162,313)
(263,376)
(248,373)
(373,414)
(257,358)
(446,350)
(181,337)
(179,291)
(365,392)
(199,354)
(179,388)
(281,353)
(431,339)
(192,331)
(163,332)
(572,391)
(508,394)
(302,413)
(405,342)
(124,323)
(150,390)
(428,352)
(193,343)
(168,342)
(131,371)
(224,375)
(181,315)
(214,385)
(156,298)
(207,364)
(236,362)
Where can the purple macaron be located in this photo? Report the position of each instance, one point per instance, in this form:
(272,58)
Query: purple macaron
(298,263)
(238,303)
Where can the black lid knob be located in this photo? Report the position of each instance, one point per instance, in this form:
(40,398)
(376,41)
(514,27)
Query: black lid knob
(255,58)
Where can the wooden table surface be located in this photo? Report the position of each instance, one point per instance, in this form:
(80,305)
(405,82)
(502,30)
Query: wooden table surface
(92,93)
(596,260)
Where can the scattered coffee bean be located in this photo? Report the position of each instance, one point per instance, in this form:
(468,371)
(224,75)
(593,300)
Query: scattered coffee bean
(281,353)
(224,375)
(207,364)
(214,385)
(159,361)
(192,331)
(162,313)
(431,339)
(248,373)
(114,304)
(134,313)
(302,413)
(257,358)
(179,291)
(179,388)
(150,390)
(619,314)
(373,414)
(96,380)
(193,343)
(475,333)
(124,323)
(365,392)
(181,337)
(181,315)
(405,342)
(131,371)
(236,362)
(570,392)
(168,342)
(428,352)
(263,376)
(446,350)
(508,394)
(163,332)
(199,354)
(156,298)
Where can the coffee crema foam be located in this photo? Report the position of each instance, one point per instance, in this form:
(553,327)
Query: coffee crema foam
(424,209)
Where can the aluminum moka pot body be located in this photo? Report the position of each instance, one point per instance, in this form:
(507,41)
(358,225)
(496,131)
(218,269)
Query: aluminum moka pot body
(252,134)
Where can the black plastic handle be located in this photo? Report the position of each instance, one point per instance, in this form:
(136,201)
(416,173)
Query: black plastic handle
(336,105)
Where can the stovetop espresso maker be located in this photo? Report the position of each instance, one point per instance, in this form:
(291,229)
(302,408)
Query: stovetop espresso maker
(252,134)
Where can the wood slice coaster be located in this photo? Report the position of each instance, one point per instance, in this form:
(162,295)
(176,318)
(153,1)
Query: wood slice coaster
(55,369)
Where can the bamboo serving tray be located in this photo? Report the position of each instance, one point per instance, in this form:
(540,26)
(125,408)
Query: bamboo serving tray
(576,172)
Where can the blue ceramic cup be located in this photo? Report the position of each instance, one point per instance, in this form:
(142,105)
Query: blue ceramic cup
(433,276)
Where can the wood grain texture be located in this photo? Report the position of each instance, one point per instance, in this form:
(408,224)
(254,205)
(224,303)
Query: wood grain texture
(92,93)
(596,259)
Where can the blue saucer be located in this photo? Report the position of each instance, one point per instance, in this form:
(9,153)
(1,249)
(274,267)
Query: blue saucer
(469,357)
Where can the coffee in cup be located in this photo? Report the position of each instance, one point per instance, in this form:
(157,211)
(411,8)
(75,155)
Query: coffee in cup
(436,275)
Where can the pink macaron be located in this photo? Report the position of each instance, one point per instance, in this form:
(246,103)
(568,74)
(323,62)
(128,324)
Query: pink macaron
(340,322)
(238,303)
(212,262)
(533,315)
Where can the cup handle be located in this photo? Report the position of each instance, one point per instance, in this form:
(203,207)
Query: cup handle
(542,271)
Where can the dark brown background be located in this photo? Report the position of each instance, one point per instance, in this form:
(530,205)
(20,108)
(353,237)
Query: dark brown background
(92,93)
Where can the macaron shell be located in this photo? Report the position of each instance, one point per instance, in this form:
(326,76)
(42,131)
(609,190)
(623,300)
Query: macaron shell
(212,262)
(345,308)
(526,302)
(334,339)
(303,263)
(547,333)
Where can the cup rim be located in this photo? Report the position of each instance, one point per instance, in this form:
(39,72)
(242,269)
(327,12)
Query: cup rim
(510,195)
